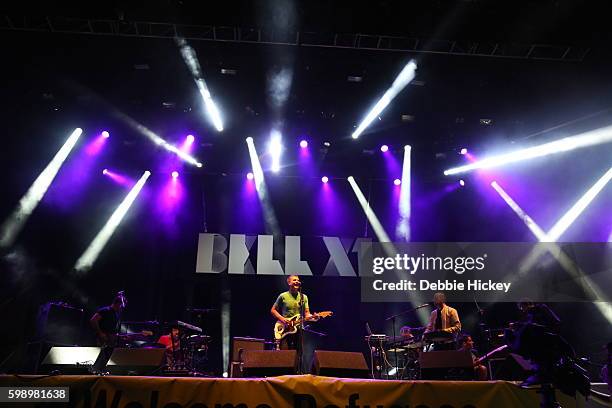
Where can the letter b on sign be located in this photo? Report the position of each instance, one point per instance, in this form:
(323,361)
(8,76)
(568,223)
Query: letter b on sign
(211,253)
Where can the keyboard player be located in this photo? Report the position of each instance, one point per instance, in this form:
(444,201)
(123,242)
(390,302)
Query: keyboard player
(443,320)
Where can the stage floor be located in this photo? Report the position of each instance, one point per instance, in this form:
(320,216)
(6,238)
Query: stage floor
(304,391)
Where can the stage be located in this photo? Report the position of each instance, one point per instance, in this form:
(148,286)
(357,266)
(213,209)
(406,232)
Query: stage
(306,391)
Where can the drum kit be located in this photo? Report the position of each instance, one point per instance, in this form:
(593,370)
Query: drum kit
(186,345)
(398,357)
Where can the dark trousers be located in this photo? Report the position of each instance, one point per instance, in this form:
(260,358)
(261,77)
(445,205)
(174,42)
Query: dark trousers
(99,365)
(294,342)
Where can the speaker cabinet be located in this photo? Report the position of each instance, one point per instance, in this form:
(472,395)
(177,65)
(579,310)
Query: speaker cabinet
(58,323)
(340,364)
(446,365)
(136,361)
(269,363)
(69,360)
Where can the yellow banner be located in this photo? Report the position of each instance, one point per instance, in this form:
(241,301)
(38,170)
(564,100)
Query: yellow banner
(304,391)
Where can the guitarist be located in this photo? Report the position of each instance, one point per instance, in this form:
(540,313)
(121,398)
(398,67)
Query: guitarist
(287,305)
(106,323)
(466,343)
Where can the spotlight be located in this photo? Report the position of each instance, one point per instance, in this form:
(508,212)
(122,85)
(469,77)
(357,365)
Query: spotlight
(403,79)
(324,179)
(190,139)
(303,144)
(250,176)
(397,182)
(463,151)
(249,139)
(175,174)
(593,137)
(105,171)
(461,183)
(384,148)
(105,134)
(326,144)
(407,147)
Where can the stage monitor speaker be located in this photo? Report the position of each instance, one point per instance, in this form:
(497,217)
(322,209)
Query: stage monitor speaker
(69,360)
(269,363)
(511,368)
(446,365)
(133,361)
(340,364)
(245,343)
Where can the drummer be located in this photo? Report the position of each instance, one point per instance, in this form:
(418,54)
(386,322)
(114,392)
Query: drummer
(406,334)
(172,342)
(443,319)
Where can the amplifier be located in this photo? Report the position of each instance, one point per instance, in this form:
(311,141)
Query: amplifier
(244,344)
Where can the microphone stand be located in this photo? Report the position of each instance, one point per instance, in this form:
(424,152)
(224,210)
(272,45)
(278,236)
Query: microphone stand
(485,332)
(301,332)
(392,318)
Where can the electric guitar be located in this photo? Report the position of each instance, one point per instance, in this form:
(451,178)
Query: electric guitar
(112,339)
(281,330)
(490,353)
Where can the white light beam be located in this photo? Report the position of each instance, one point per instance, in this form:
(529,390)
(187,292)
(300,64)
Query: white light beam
(371,216)
(400,83)
(15,222)
(573,213)
(191,59)
(86,261)
(403,225)
(590,138)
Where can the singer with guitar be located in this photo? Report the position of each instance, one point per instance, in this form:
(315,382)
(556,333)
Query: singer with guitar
(106,323)
(289,310)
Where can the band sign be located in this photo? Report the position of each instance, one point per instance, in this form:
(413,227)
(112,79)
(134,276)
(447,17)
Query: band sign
(218,253)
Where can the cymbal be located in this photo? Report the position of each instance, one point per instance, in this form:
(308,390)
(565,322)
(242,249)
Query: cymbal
(415,345)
